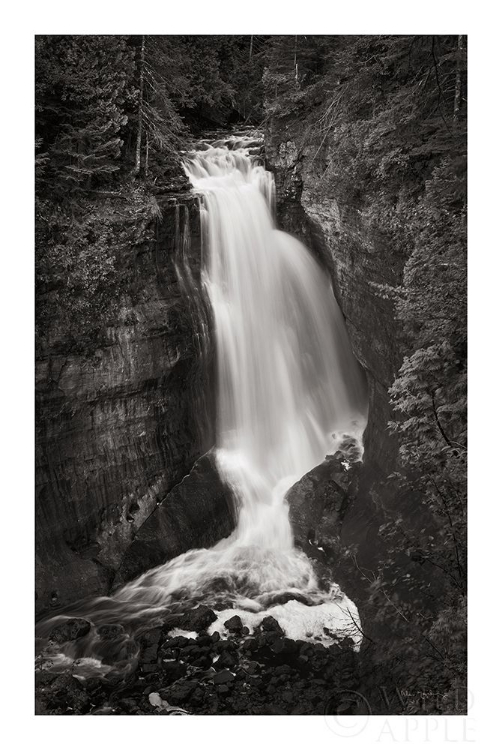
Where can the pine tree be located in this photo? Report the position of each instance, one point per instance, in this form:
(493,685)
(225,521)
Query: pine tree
(86,82)
(160,80)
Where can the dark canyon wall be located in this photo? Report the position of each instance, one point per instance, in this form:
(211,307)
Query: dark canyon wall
(338,511)
(358,263)
(118,427)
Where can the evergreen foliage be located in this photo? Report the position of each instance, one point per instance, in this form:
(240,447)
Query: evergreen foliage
(84,93)
(112,115)
(84,264)
(384,120)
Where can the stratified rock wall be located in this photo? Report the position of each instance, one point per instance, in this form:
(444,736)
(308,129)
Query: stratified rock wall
(358,262)
(119,427)
(338,522)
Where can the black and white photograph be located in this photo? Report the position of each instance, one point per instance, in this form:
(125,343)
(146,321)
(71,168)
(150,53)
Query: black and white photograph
(235,375)
(251,361)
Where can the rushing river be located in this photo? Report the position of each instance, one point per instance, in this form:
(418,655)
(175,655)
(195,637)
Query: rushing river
(289,391)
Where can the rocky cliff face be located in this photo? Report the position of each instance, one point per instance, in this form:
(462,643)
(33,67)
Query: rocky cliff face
(340,511)
(118,428)
(347,246)
(197,511)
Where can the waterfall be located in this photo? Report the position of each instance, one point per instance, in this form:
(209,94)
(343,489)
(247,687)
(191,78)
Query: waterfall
(289,386)
(289,392)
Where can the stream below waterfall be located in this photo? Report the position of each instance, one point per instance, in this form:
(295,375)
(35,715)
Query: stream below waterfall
(289,392)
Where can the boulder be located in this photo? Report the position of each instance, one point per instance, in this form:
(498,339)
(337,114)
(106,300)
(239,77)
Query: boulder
(198,619)
(70,630)
(317,505)
(224,645)
(227,659)
(234,624)
(150,644)
(284,646)
(270,624)
(197,512)
(179,693)
(110,632)
(223,677)
(179,641)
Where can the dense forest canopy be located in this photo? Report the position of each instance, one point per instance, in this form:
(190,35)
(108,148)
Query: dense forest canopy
(109,105)
(113,114)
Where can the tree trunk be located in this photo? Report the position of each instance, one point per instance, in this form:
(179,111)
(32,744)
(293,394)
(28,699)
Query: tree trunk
(137,165)
(458,79)
(147,149)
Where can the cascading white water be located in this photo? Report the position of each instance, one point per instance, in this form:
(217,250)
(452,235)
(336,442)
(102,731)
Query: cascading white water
(288,383)
(289,391)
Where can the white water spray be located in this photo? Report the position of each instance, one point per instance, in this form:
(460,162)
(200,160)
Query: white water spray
(289,391)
